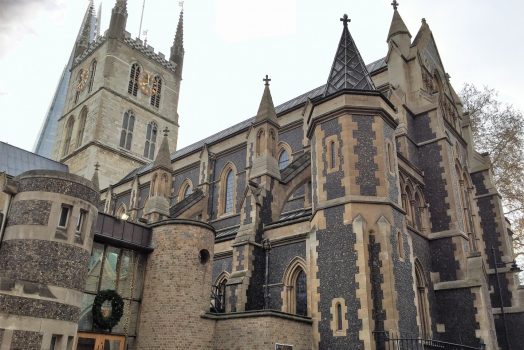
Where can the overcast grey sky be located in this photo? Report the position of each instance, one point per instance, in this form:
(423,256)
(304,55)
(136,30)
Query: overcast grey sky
(231,44)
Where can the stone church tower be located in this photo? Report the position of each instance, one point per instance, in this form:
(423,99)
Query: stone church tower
(120,96)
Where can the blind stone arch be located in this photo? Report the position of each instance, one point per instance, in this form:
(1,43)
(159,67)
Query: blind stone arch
(81,127)
(67,135)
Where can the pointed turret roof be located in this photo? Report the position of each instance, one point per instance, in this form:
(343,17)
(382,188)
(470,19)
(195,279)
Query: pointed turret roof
(177,49)
(163,157)
(266,110)
(348,70)
(397,26)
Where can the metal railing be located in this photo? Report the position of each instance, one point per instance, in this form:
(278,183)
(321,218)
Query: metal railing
(218,299)
(387,341)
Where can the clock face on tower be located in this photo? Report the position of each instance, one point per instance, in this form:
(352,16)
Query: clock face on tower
(146,83)
(82,80)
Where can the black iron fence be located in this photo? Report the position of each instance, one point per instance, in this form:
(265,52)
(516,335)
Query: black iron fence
(218,299)
(390,341)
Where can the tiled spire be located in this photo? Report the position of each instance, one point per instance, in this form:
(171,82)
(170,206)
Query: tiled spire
(348,70)
(266,109)
(94,179)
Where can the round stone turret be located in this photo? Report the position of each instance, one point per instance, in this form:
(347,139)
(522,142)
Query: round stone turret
(44,256)
(177,288)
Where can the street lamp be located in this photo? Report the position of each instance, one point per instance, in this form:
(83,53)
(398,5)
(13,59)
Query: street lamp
(515,269)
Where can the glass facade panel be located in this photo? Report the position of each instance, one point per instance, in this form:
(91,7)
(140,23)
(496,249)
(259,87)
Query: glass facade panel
(110,265)
(95,266)
(115,269)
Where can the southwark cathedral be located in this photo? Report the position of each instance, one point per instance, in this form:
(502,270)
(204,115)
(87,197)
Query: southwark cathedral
(357,215)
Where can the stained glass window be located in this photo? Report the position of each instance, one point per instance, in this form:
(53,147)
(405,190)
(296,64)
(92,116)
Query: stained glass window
(228,207)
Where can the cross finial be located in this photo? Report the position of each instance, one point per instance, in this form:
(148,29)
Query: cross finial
(97,166)
(166,131)
(394,4)
(266,80)
(345,19)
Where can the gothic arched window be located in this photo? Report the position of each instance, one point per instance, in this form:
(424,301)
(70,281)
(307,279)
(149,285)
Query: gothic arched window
(283,159)
(228,204)
(422,300)
(133,79)
(126,135)
(67,136)
(301,294)
(187,191)
(81,127)
(156,91)
(149,148)
(92,71)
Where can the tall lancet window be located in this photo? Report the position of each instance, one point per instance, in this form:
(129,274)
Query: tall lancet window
(151,132)
(67,137)
(133,79)
(301,293)
(126,135)
(81,127)
(92,71)
(156,91)
(228,207)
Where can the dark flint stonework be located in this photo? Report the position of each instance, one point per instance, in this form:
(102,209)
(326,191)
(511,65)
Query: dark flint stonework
(422,128)
(333,187)
(255,291)
(45,262)
(221,265)
(29,212)
(25,340)
(514,322)
(38,308)
(457,313)
(279,260)
(239,159)
(366,152)
(443,259)
(435,187)
(54,185)
(421,251)
(293,138)
(240,257)
(337,267)
(403,279)
(495,295)
(377,295)
(192,174)
(1,335)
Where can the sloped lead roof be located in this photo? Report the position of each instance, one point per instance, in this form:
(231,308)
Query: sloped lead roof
(242,126)
(348,70)
(14,161)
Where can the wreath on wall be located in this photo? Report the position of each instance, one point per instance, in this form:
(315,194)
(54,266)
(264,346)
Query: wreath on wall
(105,316)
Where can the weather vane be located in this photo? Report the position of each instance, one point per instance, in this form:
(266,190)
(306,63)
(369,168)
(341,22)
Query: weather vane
(181,4)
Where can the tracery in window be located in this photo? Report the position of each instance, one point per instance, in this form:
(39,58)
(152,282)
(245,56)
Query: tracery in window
(156,92)
(151,133)
(81,127)
(92,71)
(67,136)
(301,294)
(126,135)
(133,79)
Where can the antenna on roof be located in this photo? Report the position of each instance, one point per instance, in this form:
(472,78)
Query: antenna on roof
(141,18)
